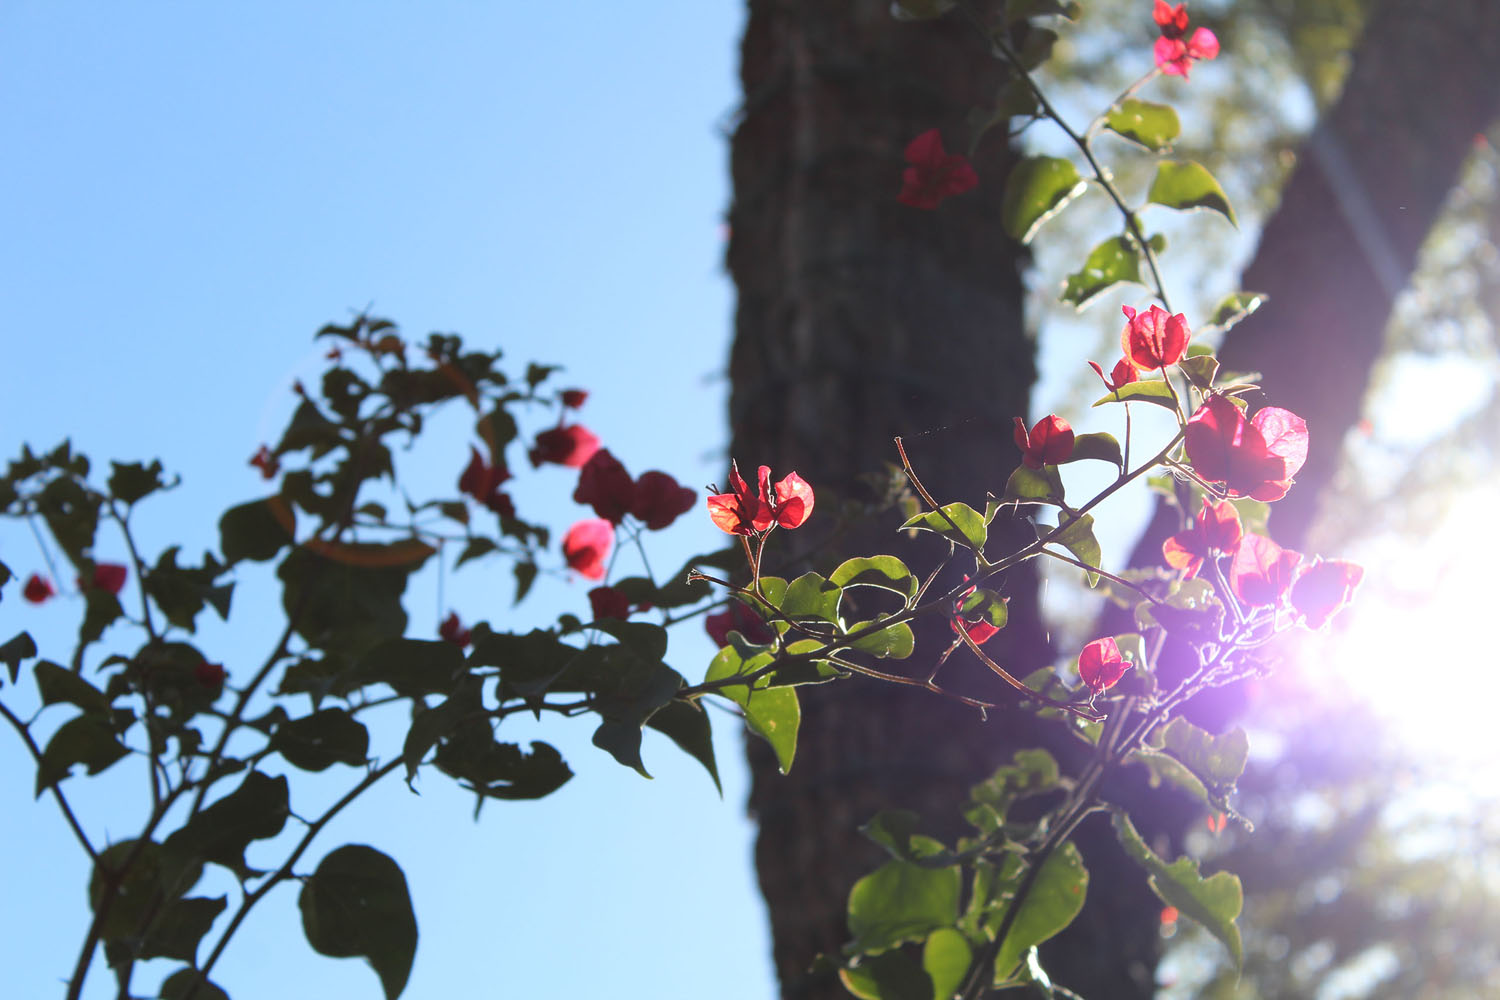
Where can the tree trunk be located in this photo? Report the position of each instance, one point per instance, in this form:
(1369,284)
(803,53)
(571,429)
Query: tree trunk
(861,319)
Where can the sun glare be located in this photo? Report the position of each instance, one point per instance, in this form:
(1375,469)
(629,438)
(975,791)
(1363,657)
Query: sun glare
(1417,643)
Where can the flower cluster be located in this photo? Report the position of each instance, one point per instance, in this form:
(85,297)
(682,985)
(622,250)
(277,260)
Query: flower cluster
(742,512)
(933,173)
(1175,50)
(1049,441)
(655,499)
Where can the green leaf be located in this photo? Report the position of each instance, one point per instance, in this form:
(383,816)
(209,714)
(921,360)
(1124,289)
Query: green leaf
(322,739)
(256,530)
(348,597)
(1098,445)
(687,725)
(131,482)
(1108,264)
(1055,899)
(177,929)
(886,572)
(985,606)
(127,900)
(1200,370)
(900,901)
(946,957)
(969,522)
(412,667)
(1165,768)
(181,591)
(256,810)
(638,693)
(1235,308)
(89,740)
(646,641)
(1042,485)
(1218,760)
(1192,611)
(1153,390)
(893,642)
(772,712)
(356,904)
(1213,902)
(1078,538)
(18,647)
(812,596)
(495,770)
(894,975)
(896,831)
(185,981)
(1152,125)
(1038,188)
(1187,185)
(58,685)
(1034,772)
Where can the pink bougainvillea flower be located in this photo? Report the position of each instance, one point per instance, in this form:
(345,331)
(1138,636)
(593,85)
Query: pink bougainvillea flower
(1101,665)
(210,675)
(604,485)
(571,445)
(607,602)
(1123,374)
(482,482)
(586,546)
(265,462)
(933,173)
(1253,458)
(980,631)
(106,576)
(37,589)
(739,618)
(659,500)
(1049,442)
(1323,588)
(1153,339)
(1175,51)
(740,512)
(452,630)
(1217,529)
(1262,571)
(574,398)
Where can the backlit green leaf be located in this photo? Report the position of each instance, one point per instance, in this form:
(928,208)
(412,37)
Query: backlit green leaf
(969,522)
(946,957)
(772,712)
(1111,262)
(1098,445)
(1218,760)
(1078,538)
(1038,188)
(900,901)
(1153,390)
(886,572)
(1055,899)
(1213,902)
(1235,308)
(1027,485)
(1152,125)
(1187,185)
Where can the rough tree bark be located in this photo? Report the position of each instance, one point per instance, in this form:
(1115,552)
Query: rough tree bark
(860,319)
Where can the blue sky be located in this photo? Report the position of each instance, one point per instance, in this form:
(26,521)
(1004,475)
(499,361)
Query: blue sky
(191,191)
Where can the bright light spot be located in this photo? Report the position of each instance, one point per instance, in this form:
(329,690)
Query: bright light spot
(1418,644)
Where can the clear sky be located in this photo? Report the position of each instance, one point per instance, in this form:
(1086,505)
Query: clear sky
(190,191)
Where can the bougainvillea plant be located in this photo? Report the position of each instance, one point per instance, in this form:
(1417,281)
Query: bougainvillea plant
(225,735)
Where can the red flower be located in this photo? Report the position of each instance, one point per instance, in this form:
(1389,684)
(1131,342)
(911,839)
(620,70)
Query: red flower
(37,589)
(1153,339)
(1255,458)
(934,173)
(107,576)
(1101,665)
(265,462)
(659,500)
(607,602)
(604,485)
(1123,374)
(741,619)
(980,631)
(482,482)
(452,630)
(210,675)
(1262,571)
(741,512)
(1216,530)
(1323,588)
(572,445)
(586,546)
(1174,55)
(574,398)
(1050,441)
